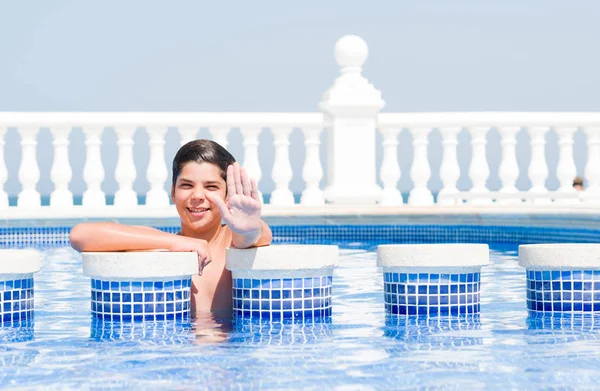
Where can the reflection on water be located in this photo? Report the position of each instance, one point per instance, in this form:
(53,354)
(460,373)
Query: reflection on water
(560,327)
(151,332)
(285,332)
(441,331)
(12,353)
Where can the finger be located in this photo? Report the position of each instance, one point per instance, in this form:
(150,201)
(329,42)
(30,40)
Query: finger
(202,264)
(254,192)
(230,181)
(237,178)
(216,200)
(246,186)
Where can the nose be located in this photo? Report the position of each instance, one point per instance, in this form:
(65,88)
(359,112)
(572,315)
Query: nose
(198,194)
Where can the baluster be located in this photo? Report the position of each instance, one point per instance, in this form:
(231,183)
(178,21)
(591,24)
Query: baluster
(592,167)
(3,170)
(509,169)
(282,169)
(538,168)
(312,171)
(125,171)
(479,170)
(449,170)
(390,169)
(219,135)
(93,171)
(29,172)
(61,173)
(566,170)
(420,171)
(251,162)
(187,133)
(157,173)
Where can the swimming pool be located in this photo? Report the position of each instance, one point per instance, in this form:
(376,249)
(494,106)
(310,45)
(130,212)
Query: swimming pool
(359,347)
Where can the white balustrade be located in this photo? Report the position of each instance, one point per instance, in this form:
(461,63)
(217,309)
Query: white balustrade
(420,171)
(250,144)
(479,169)
(125,171)
(219,135)
(282,169)
(566,170)
(3,171)
(592,168)
(390,169)
(538,169)
(93,170)
(157,173)
(449,170)
(187,133)
(312,171)
(61,172)
(352,104)
(509,169)
(29,172)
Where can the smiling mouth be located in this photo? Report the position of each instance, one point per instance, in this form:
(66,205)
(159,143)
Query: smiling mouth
(198,210)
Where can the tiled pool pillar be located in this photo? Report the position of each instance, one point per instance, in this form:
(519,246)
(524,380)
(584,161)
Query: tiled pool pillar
(432,279)
(16,284)
(282,281)
(140,286)
(562,277)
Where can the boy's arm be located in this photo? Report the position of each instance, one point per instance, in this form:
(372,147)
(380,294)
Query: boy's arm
(261,237)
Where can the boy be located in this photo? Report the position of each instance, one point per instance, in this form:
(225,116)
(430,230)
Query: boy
(208,186)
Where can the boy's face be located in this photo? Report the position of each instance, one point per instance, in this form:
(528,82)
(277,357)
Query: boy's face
(188,194)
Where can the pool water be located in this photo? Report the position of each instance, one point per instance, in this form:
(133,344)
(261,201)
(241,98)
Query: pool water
(358,348)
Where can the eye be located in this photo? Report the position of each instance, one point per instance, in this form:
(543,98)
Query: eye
(185,186)
(212,187)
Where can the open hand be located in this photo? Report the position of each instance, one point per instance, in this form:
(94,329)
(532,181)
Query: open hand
(241,212)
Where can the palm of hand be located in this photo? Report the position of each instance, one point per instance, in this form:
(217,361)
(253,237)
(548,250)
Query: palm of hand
(242,210)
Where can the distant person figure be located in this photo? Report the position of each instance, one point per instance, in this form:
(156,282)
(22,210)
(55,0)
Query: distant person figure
(578,183)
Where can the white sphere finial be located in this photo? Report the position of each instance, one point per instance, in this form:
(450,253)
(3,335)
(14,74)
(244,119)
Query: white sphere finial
(351,51)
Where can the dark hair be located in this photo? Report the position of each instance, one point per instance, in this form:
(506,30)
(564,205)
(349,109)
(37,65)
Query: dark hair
(578,181)
(202,151)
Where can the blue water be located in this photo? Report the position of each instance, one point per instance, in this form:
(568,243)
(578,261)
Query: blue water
(359,348)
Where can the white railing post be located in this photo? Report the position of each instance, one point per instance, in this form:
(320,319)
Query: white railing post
(390,169)
(538,168)
(93,171)
(61,172)
(592,167)
(157,173)
(352,104)
(250,144)
(420,170)
(219,135)
(312,171)
(125,171)
(282,169)
(566,169)
(3,170)
(29,172)
(509,169)
(479,169)
(449,170)
(187,133)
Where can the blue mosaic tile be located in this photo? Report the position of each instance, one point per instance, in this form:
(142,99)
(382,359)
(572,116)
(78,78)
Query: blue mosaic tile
(431,293)
(434,331)
(16,300)
(275,299)
(19,237)
(254,331)
(170,332)
(563,290)
(141,300)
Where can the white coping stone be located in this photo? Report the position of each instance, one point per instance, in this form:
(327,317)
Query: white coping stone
(283,258)
(560,256)
(451,255)
(139,264)
(13,261)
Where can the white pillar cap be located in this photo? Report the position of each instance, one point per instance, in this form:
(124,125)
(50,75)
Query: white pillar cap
(13,261)
(560,256)
(139,264)
(433,255)
(283,257)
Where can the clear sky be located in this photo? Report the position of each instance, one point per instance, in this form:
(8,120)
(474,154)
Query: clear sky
(190,55)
